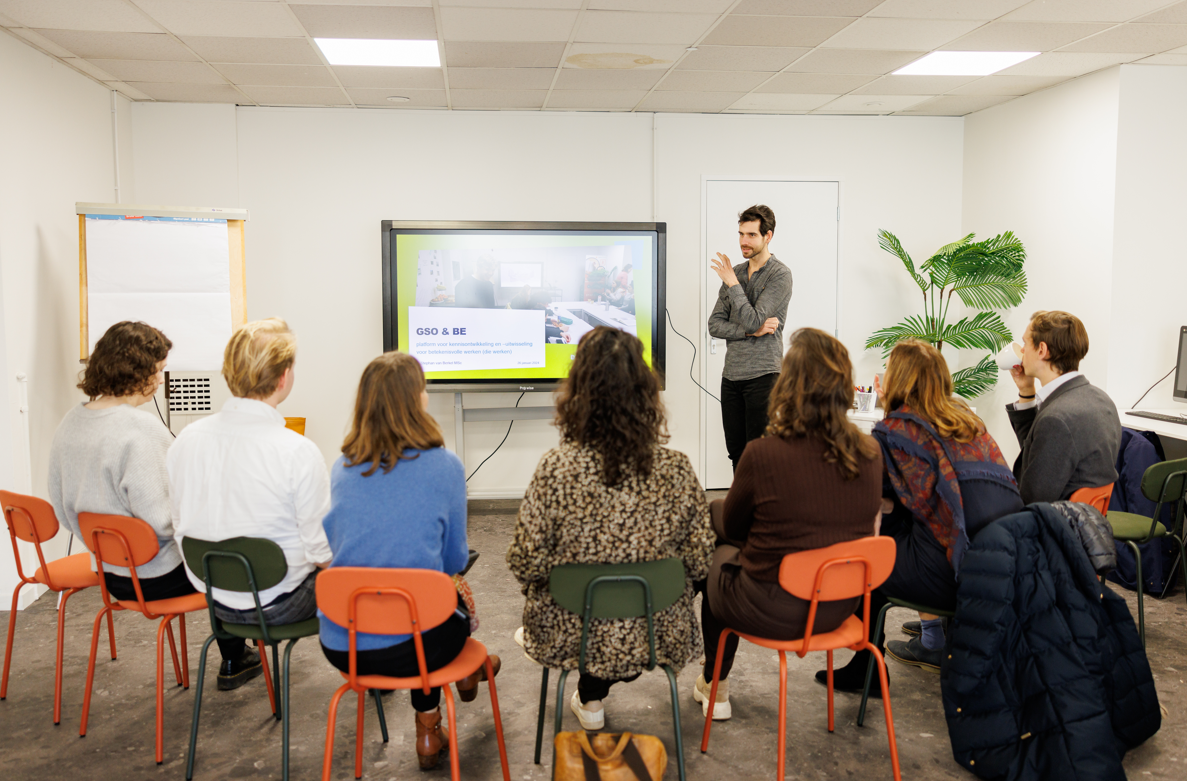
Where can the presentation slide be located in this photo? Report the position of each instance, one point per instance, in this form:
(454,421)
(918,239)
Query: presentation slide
(514,304)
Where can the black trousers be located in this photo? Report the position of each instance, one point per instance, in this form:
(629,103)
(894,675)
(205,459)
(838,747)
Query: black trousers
(172,584)
(744,411)
(590,687)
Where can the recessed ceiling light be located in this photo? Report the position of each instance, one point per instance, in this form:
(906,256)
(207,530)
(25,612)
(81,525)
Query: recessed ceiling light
(691,49)
(874,103)
(399,99)
(963,63)
(362,51)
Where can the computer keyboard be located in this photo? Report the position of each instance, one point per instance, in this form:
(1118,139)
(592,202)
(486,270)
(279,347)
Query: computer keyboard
(1159,416)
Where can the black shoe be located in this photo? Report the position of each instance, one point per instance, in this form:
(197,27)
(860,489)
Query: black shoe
(913,628)
(852,677)
(233,674)
(913,653)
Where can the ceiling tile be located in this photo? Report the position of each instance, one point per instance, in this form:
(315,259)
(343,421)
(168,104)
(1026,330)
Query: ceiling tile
(409,3)
(853,61)
(1007,85)
(94,71)
(297,96)
(712,81)
(654,6)
(622,100)
(254,20)
(1176,14)
(902,34)
(914,85)
(105,15)
(278,75)
(480,54)
(501,78)
(383,77)
(1023,36)
(774,102)
(627,27)
(483,24)
(278,51)
(1065,64)
(768,59)
(692,102)
(497,99)
(814,83)
(808,31)
(552,4)
(1086,10)
(948,106)
(164,72)
(192,93)
(1135,38)
(120,46)
(127,90)
(871,104)
(40,41)
(607,79)
(417,98)
(946,9)
(850,8)
(623,56)
(1164,59)
(328,21)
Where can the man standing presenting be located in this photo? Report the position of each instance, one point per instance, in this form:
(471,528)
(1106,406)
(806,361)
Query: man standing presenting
(477,291)
(749,315)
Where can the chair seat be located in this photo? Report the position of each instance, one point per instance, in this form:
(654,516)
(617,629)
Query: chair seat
(1130,526)
(306,628)
(69,572)
(846,635)
(175,606)
(472,657)
(919,607)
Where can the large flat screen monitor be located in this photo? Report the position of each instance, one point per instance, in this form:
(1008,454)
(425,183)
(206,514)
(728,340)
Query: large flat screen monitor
(502,305)
(1180,393)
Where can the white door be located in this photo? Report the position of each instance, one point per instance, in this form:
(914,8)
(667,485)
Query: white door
(806,222)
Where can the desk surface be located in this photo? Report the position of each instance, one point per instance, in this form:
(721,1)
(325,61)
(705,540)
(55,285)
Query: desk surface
(1160,427)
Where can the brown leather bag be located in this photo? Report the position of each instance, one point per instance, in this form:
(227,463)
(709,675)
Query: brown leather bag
(610,757)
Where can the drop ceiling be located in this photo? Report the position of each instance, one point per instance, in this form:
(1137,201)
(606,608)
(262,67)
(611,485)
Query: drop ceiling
(699,56)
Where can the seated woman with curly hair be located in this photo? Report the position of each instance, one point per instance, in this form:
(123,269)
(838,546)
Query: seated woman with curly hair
(610,493)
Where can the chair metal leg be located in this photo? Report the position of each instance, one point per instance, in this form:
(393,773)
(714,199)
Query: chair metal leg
(882,678)
(269,682)
(111,634)
(560,713)
(865,692)
(494,707)
(540,714)
(86,697)
(1137,558)
(455,772)
(358,737)
(328,759)
(58,662)
(163,629)
(782,741)
(185,654)
(379,712)
(676,720)
(167,622)
(829,686)
(16,593)
(713,687)
(276,677)
(189,763)
(284,708)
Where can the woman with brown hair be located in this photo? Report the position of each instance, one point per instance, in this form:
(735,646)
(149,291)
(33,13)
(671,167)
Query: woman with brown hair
(609,493)
(814,480)
(945,479)
(398,499)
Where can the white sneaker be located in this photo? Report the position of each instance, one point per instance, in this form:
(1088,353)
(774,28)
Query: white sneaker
(721,709)
(591,715)
(519,636)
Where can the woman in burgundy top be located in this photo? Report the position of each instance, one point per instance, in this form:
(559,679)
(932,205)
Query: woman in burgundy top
(814,480)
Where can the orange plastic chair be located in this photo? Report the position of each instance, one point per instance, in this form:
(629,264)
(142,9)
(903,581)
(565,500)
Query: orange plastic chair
(1097,497)
(841,571)
(399,602)
(121,541)
(33,520)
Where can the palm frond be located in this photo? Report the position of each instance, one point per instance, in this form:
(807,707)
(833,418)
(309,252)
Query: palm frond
(984,331)
(890,243)
(987,290)
(1003,255)
(976,380)
(913,327)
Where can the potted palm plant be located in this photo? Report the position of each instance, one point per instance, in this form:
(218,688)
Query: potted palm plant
(987,276)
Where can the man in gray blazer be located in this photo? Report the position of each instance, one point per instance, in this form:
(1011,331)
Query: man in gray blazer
(1068,429)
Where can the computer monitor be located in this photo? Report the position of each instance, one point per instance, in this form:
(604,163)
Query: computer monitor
(1180,394)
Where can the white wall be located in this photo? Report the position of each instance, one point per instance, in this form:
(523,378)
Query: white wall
(56,137)
(1044,166)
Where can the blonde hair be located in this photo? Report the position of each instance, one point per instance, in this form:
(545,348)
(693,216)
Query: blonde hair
(257,357)
(917,375)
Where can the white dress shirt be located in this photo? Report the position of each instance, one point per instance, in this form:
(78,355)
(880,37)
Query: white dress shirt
(241,473)
(1042,393)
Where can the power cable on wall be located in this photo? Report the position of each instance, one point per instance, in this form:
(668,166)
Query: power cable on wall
(694,357)
(496,450)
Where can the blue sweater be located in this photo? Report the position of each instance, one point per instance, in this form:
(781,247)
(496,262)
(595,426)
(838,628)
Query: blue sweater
(412,517)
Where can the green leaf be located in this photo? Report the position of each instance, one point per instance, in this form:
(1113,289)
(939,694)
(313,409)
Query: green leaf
(984,331)
(914,327)
(940,265)
(890,243)
(1003,255)
(987,290)
(976,380)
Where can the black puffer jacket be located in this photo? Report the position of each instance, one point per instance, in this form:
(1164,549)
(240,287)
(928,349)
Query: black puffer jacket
(1044,676)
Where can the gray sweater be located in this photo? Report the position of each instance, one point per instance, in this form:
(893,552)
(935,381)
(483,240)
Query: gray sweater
(1069,442)
(112,461)
(742,309)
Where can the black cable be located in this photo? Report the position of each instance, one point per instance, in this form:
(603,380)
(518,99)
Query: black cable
(162,417)
(496,450)
(1152,387)
(694,356)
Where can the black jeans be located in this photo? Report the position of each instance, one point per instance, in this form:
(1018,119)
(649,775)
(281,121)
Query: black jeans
(590,687)
(172,584)
(744,411)
(442,645)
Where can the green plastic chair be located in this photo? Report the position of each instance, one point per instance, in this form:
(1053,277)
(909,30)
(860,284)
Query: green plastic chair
(878,626)
(609,591)
(1164,483)
(248,564)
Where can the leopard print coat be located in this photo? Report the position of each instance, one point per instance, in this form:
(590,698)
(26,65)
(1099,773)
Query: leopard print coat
(570,517)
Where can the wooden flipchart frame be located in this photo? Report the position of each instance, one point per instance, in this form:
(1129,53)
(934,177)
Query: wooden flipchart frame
(235,237)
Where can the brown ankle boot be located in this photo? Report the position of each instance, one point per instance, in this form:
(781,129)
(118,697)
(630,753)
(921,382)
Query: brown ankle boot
(467,688)
(432,740)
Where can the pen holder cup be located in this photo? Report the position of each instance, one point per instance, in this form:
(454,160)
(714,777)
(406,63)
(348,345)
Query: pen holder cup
(864,402)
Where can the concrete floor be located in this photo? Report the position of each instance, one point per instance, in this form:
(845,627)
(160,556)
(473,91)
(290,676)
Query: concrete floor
(239,738)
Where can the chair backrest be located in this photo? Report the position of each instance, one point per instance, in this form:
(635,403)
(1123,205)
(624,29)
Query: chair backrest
(118,539)
(385,601)
(28,518)
(295,424)
(1097,497)
(616,597)
(1164,482)
(265,562)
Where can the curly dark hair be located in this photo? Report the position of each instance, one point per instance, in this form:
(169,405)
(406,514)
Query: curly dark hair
(610,403)
(124,360)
